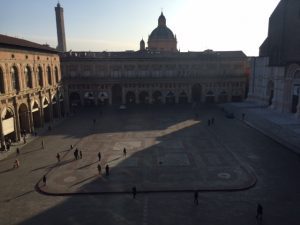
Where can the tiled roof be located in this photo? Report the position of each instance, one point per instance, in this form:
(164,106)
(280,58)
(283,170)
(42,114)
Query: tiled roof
(12,42)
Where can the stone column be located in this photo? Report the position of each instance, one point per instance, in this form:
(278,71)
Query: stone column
(17,123)
(123,96)
(31,124)
(137,99)
(109,96)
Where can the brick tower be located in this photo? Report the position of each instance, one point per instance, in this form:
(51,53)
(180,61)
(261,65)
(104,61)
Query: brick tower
(61,37)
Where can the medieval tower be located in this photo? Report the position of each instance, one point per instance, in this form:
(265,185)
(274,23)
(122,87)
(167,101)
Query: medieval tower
(61,37)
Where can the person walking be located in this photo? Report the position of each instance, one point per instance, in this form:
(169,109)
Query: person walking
(99,156)
(45,180)
(42,144)
(259,212)
(124,152)
(16,164)
(107,170)
(133,191)
(18,151)
(99,169)
(80,154)
(212,121)
(71,147)
(196,198)
(58,157)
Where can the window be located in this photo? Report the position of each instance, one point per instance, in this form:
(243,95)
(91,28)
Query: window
(2,88)
(49,75)
(40,76)
(15,79)
(28,77)
(56,75)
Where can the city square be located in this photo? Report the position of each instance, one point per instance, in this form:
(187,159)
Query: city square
(180,116)
(170,154)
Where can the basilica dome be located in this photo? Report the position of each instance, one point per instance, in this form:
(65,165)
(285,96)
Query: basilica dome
(162,38)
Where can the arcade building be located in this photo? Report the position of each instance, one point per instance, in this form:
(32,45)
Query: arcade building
(31,93)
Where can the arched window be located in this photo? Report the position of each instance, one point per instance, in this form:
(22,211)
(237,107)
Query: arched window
(15,79)
(28,77)
(56,75)
(49,75)
(2,87)
(40,76)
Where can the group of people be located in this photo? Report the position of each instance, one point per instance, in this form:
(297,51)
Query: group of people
(211,121)
(77,154)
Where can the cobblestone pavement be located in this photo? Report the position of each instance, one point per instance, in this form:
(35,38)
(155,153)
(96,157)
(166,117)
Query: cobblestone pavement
(167,150)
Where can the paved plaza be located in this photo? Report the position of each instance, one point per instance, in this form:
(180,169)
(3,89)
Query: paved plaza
(170,153)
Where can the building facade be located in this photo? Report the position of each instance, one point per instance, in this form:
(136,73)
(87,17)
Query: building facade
(275,74)
(143,77)
(30,87)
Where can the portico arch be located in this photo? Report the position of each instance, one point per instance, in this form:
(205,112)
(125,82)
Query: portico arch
(144,97)
(196,93)
(157,97)
(89,99)
(74,99)
(116,91)
(36,114)
(46,108)
(130,97)
(24,118)
(170,98)
(223,97)
(103,98)
(182,98)
(61,104)
(55,107)
(8,124)
(210,97)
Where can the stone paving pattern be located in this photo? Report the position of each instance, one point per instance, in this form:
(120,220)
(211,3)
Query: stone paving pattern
(177,148)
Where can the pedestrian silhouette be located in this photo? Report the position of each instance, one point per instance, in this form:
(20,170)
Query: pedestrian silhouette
(18,151)
(99,156)
(208,122)
(76,153)
(124,151)
(71,147)
(42,144)
(44,180)
(107,170)
(58,157)
(259,212)
(196,198)
(212,121)
(133,191)
(16,164)
(99,169)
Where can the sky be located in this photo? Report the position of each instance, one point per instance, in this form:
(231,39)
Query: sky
(119,25)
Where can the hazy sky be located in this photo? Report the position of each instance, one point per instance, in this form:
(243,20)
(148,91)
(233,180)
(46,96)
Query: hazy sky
(115,25)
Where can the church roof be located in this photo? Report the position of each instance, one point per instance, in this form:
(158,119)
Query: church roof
(12,42)
(161,31)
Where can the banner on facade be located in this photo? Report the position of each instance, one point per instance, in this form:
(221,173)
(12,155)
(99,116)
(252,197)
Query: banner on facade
(8,126)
